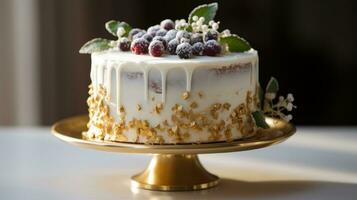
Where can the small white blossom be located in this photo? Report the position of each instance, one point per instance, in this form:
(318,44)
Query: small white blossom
(195,18)
(211,22)
(120,31)
(215,26)
(281,98)
(290,97)
(226,32)
(204,28)
(289,106)
(288,117)
(202,19)
(270,96)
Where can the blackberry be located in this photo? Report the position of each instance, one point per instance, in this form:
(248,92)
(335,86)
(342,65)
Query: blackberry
(124,44)
(167,24)
(182,34)
(133,32)
(210,35)
(138,35)
(147,37)
(197,48)
(139,46)
(161,32)
(171,34)
(153,29)
(171,47)
(156,48)
(196,37)
(212,48)
(162,39)
(184,50)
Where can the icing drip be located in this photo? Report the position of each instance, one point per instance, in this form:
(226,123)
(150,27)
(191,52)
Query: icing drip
(118,84)
(163,84)
(189,73)
(146,83)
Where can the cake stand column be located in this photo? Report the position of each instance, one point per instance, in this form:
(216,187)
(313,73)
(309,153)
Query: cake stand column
(171,172)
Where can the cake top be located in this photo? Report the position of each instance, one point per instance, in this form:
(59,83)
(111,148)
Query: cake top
(196,37)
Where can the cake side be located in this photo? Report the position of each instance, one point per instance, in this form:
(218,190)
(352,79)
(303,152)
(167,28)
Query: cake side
(145,99)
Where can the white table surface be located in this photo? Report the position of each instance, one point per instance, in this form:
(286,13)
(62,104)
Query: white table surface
(316,163)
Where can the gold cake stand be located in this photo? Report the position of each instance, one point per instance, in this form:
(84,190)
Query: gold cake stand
(173,167)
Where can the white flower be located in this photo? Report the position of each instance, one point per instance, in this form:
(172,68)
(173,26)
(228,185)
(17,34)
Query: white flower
(204,28)
(288,117)
(281,98)
(226,32)
(202,19)
(211,22)
(215,26)
(270,96)
(289,106)
(195,18)
(290,97)
(120,31)
(182,21)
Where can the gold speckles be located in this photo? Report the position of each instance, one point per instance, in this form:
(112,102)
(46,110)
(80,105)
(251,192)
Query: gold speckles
(193,105)
(152,98)
(138,107)
(226,106)
(121,109)
(185,95)
(200,94)
(158,108)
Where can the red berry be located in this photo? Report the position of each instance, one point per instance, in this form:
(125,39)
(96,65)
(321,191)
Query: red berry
(156,48)
(212,48)
(140,46)
(124,44)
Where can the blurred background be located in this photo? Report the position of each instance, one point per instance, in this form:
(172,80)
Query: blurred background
(309,46)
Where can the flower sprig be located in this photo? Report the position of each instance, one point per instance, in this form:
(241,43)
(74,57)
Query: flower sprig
(273,107)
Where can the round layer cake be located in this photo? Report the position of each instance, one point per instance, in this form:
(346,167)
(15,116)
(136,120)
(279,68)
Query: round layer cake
(168,100)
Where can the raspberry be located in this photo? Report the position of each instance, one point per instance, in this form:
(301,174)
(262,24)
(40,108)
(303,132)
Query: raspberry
(133,32)
(162,39)
(196,37)
(210,35)
(156,48)
(182,34)
(171,47)
(167,24)
(138,35)
(140,46)
(161,32)
(197,48)
(153,29)
(147,37)
(170,35)
(124,44)
(212,48)
(184,50)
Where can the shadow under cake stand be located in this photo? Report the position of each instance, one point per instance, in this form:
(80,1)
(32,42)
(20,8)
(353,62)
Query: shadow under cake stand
(173,166)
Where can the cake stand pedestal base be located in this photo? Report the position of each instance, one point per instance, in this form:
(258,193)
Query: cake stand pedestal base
(170,172)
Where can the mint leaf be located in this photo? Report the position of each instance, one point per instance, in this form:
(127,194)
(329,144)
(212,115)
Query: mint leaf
(235,43)
(208,11)
(112,27)
(260,119)
(95,45)
(272,86)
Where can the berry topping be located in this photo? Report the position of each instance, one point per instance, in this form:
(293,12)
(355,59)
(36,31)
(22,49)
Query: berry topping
(210,35)
(170,35)
(185,40)
(124,44)
(138,35)
(167,24)
(147,37)
(162,39)
(171,47)
(184,50)
(140,46)
(161,32)
(153,29)
(133,32)
(182,34)
(156,48)
(197,48)
(196,37)
(212,48)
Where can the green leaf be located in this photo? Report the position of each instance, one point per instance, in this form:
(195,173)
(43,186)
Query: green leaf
(112,27)
(260,119)
(95,45)
(235,43)
(208,11)
(272,86)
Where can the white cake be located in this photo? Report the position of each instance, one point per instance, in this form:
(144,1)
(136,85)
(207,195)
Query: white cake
(166,100)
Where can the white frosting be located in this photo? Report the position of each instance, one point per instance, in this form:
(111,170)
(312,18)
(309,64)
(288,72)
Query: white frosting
(132,80)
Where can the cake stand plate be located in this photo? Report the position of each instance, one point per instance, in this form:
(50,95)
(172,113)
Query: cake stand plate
(173,166)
